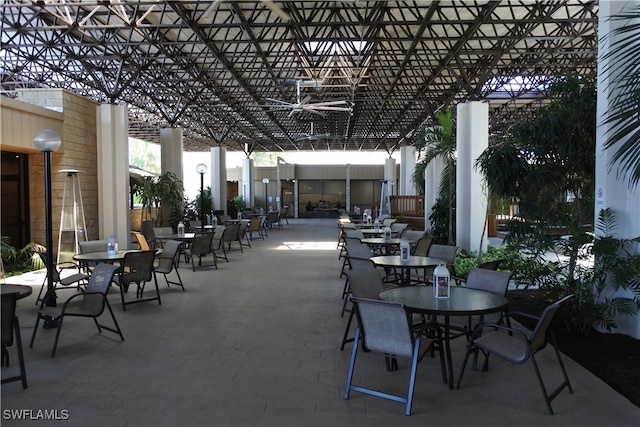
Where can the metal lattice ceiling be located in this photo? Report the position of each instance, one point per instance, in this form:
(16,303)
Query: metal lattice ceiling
(217,68)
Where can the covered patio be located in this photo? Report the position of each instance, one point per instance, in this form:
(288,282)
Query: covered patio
(257,342)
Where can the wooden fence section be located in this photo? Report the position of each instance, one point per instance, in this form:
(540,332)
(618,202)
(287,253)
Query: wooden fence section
(411,208)
(407,205)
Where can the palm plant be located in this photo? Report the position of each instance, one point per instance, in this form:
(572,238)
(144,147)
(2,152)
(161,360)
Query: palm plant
(622,115)
(439,141)
(547,165)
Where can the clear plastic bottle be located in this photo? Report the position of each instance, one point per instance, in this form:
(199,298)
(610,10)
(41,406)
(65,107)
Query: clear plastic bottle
(180,228)
(387,233)
(111,245)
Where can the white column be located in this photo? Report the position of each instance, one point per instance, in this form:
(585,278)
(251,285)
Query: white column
(219,178)
(247,190)
(171,148)
(113,172)
(347,188)
(407,167)
(296,204)
(472,138)
(612,191)
(432,178)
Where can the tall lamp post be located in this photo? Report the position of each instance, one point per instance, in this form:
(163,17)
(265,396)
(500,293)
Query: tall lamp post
(201,169)
(266,197)
(47,141)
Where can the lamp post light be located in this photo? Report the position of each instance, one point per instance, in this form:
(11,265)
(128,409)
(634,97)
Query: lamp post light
(266,197)
(47,141)
(201,169)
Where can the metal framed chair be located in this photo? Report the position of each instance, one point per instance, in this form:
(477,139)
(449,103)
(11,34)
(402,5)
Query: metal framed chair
(168,262)
(254,227)
(243,236)
(137,268)
(141,240)
(200,247)
(90,303)
(386,329)
(78,279)
(10,334)
(518,346)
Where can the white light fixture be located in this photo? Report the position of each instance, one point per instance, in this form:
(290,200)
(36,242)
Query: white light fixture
(201,168)
(47,140)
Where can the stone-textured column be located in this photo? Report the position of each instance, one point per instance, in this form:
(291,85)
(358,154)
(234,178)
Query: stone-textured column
(171,148)
(611,190)
(407,167)
(247,183)
(113,172)
(219,178)
(472,132)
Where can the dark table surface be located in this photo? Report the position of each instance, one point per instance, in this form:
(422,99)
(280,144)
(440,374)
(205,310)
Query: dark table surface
(23,291)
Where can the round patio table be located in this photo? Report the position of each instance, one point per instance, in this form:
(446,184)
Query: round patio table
(381,242)
(22,291)
(405,267)
(461,302)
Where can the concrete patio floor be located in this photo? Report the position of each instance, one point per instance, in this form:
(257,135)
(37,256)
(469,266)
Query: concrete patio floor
(257,343)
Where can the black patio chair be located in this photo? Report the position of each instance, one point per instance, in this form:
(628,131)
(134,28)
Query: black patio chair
(90,303)
(10,334)
(518,346)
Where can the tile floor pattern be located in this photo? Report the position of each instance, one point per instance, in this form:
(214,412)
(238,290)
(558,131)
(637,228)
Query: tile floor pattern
(256,343)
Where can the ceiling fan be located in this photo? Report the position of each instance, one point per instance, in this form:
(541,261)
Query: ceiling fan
(305,104)
(313,136)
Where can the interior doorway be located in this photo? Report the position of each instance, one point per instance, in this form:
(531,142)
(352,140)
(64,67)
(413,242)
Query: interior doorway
(15,198)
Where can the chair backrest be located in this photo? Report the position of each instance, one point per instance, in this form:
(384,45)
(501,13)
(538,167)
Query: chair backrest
(230,232)
(386,327)
(365,282)
(147,229)
(414,235)
(138,266)
(358,234)
(254,224)
(162,231)
(55,276)
(422,246)
(97,288)
(142,241)
(447,253)
(388,221)
(272,217)
(86,246)
(490,265)
(169,256)
(492,281)
(8,315)
(201,244)
(538,337)
(348,240)
(398,226)
(242,228)
(358,250)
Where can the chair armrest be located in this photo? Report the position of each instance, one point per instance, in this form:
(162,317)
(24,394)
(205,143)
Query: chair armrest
(523,314)
(477,332)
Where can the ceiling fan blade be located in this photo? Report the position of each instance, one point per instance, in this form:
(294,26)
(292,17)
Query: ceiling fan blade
(279,101)
(313,107)
(305,100)
(323,103)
